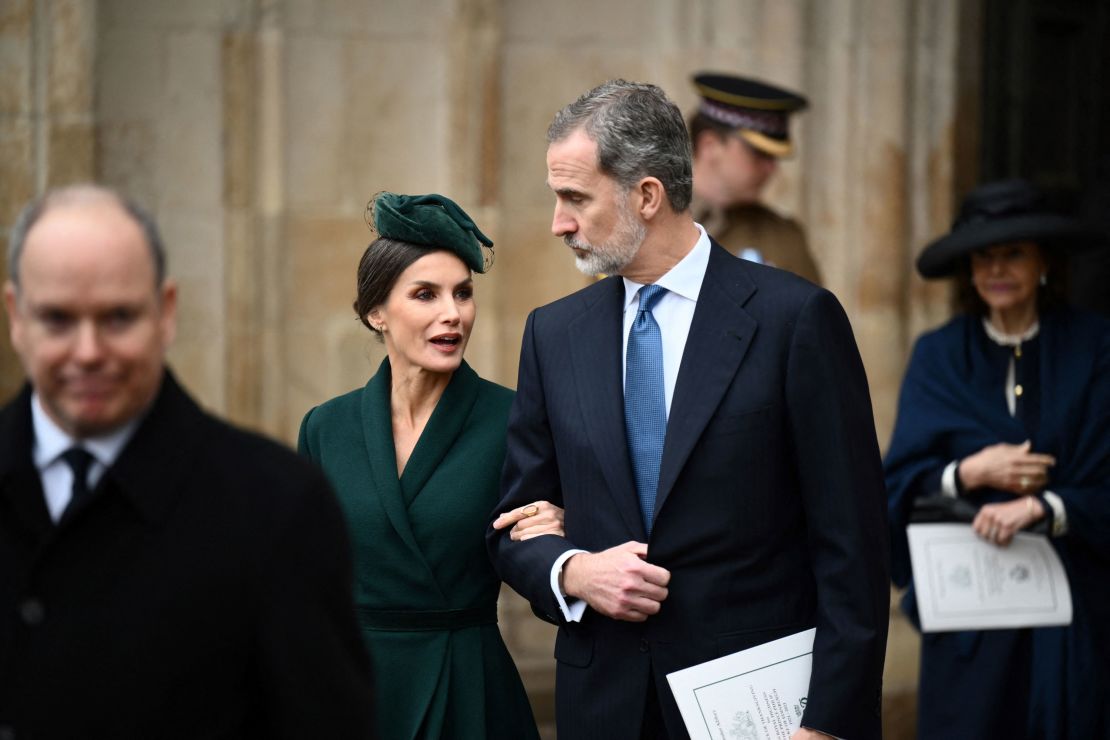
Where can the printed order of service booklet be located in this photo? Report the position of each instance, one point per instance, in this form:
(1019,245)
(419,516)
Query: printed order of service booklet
(966,583)
(755,694)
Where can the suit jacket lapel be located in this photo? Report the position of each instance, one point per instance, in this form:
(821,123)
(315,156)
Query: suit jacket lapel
(596,353)
(719,338)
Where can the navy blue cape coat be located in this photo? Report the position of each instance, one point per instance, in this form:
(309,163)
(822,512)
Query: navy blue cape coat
(952,404)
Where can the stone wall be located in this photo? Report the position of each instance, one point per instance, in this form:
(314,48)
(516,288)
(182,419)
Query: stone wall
(257,130)
(46,113)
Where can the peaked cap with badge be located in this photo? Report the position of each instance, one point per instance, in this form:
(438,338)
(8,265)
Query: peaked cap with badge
(760,112)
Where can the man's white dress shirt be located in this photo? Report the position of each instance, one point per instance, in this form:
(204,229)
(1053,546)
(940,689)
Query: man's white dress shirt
(51,441)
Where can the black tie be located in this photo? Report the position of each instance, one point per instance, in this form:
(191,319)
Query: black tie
(79,461)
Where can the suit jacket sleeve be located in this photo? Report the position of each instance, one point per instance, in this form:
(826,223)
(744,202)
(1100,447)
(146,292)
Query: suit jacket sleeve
(530,474)
(841,482)
(311,663)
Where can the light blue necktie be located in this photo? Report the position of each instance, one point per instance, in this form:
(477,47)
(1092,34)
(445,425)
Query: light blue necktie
(645,405)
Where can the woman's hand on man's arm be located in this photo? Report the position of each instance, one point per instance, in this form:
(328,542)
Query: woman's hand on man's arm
(532,520)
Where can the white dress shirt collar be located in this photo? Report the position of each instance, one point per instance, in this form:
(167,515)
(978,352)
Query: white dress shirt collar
(685,278)
(674,312)
(54,472)
(51,440)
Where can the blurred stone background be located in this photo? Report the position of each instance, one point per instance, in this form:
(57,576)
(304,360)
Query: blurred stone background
(257,130)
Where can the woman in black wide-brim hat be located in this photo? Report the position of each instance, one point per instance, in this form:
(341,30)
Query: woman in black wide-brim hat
(1007,408)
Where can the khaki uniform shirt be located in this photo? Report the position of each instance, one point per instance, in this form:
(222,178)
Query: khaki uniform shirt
(780,240)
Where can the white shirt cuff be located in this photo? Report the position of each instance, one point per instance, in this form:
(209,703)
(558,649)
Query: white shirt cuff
(1059,514)
(574,610)
(948,480)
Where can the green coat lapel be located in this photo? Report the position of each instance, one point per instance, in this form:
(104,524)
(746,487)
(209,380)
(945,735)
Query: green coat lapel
(377,431)
(443,428)
(442,431)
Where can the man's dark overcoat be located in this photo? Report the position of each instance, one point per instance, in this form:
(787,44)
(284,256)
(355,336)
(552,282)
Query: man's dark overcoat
(203,591)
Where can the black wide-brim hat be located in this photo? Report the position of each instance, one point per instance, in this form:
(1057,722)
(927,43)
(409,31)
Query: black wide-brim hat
(998,213)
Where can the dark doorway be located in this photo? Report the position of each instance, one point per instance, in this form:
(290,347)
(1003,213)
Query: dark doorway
(1046,115)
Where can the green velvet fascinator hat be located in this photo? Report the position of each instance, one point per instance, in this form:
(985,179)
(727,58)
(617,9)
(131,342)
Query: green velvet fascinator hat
(431,220)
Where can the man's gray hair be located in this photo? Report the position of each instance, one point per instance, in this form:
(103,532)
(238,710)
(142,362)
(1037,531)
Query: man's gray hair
(78,195)
(639,133)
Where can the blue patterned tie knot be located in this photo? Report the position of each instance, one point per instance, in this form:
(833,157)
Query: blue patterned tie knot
(645,404)
(649,296)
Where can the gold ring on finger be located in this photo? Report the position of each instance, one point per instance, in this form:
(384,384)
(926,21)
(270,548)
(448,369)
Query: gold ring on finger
(1025,482)
(530,510)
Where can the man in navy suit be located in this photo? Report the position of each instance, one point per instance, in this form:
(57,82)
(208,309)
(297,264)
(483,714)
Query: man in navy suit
(706,425)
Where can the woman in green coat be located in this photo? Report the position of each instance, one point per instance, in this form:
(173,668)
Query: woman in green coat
(415,457)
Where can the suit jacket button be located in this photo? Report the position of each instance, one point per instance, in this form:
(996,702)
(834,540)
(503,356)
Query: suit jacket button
(32,612)
(643,646)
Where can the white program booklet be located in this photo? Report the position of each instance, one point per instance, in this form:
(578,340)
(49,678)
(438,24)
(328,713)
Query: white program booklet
(966,583)
(755,694)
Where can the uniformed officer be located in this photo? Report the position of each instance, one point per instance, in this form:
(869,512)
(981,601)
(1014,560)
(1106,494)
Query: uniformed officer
(739,132)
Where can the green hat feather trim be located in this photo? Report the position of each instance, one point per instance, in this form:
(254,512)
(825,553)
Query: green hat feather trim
(431,220)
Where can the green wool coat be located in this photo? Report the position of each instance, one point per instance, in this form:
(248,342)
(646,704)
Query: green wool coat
(424,587)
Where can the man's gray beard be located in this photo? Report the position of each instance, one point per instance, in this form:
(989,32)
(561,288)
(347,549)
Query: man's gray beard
(615,255)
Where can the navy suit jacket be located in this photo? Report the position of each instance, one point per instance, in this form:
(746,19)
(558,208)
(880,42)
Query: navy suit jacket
(770,511)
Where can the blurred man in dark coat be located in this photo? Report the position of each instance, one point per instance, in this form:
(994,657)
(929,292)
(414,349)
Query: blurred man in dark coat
(162,574)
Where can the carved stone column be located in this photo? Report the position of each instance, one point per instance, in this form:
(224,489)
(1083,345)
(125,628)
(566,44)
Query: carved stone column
(254,202)
(475,97)
(48,49)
